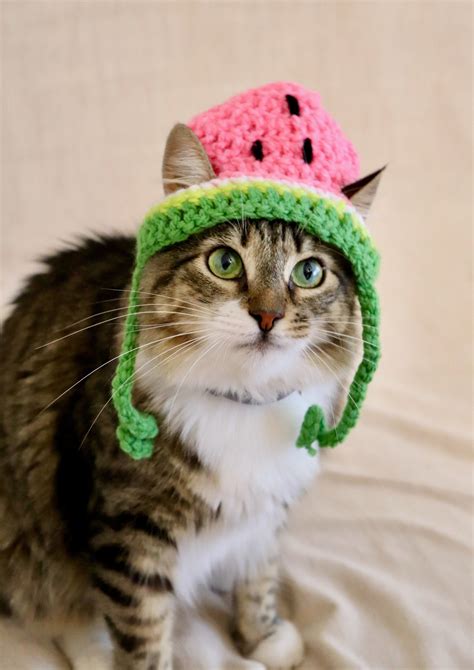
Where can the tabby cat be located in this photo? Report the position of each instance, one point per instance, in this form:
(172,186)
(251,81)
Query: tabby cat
(90,537)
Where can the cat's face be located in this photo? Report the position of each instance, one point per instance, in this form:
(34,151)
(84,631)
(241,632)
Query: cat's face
(255,307)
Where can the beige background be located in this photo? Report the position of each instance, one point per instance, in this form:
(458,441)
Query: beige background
(379,553)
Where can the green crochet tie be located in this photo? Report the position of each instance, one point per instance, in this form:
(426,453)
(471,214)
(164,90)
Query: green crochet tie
(198,208)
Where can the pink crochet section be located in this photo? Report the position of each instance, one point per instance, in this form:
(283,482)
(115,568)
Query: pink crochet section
(277,131)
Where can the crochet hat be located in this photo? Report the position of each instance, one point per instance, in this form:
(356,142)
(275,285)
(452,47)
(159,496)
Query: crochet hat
(276,154)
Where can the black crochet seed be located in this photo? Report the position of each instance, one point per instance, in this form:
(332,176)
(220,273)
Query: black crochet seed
(257,150)
(307,151)
(293,105)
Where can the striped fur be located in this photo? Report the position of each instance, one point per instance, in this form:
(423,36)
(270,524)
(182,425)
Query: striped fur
(83,528)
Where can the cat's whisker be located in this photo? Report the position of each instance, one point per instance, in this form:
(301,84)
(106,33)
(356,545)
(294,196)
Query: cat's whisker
(196,310)
(118,309)
(318,352)
(186,347)
(148,293)
(330,322)
(208,350)
(350,337)
(350,351)
(158,295)
(311,360)
(195,342)
(228,343)
(80,330)
(335,344)
(180,346)
(306,354)
(109,299)
(167,324)
(174,301)
(99,367)
(185,302)
(342,369)
(107,311)
(355,322)
(114,318)
(340,346)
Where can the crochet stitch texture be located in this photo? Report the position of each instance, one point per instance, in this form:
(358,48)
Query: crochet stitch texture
(282,117)
(283,177)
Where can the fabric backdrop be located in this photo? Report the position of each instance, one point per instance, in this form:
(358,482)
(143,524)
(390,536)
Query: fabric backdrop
(379,553)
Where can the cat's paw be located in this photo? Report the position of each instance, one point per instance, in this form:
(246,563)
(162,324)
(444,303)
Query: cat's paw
(282,650)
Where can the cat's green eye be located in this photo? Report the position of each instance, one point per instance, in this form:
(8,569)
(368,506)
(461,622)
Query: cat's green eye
(225,263)
(307,274)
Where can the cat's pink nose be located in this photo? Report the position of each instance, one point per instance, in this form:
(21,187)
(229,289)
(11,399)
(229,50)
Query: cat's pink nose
(266,320)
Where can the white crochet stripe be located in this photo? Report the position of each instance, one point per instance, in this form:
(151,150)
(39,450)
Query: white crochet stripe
(215,183)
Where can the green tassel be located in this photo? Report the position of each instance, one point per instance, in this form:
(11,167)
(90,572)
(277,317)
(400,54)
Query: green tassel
(138,437)
(312,427)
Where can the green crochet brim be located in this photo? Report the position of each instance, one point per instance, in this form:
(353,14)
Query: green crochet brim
(195,209)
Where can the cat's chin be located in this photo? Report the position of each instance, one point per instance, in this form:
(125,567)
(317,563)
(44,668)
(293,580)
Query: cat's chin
(261,345)
(271,370)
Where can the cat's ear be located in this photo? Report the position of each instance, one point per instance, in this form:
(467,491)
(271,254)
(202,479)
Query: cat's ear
(185,161)
(362,192)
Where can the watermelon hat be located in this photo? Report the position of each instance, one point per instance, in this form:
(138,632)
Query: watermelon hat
(274,153)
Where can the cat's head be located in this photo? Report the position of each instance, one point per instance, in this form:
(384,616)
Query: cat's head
(255,308)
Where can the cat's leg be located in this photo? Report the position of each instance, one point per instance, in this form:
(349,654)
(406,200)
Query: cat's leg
(140,626)
(132,581)
(143,641)
(128,641)
(258,630)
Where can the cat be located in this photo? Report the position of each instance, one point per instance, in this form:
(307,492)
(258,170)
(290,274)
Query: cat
(90,537)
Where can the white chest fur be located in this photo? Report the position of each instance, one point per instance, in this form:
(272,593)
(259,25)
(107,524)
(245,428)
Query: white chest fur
(256,468)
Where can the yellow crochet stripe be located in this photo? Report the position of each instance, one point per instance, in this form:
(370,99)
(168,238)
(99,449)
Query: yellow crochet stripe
(195,193)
